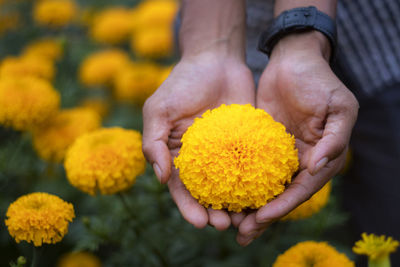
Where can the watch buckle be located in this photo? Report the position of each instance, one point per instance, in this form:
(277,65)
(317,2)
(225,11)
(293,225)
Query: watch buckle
(305,16)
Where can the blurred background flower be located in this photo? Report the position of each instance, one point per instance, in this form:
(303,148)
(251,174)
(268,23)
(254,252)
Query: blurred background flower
(62,61)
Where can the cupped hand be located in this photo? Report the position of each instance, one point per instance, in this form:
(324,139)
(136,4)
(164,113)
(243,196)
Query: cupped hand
(195,85)
(299,89)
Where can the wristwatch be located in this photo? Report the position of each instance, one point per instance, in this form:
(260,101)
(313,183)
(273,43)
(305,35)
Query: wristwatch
(299,20)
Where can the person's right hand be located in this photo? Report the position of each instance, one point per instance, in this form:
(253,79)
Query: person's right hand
(195,85)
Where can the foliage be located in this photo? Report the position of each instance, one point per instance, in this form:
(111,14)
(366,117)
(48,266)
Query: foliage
(140,227)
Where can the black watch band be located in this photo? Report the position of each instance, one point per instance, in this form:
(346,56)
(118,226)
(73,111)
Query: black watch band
(299,20)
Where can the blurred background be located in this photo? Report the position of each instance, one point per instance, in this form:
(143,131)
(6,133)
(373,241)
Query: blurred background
(109,56)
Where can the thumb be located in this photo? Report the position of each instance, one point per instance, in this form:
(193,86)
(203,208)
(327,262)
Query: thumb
(155,136)
(342,114)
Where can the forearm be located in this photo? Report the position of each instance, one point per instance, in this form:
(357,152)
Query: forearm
(213,26)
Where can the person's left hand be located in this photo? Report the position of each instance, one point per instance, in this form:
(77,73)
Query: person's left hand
(299,89)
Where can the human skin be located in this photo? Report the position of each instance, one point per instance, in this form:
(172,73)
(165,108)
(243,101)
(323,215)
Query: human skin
(211,72)
(298,88)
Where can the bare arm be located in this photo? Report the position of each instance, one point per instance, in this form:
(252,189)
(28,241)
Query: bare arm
(211,72)
(299,89)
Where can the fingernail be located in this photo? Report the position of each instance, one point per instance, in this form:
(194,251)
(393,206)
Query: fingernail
(158,172)
(252,234)
(320,165)
(247,242)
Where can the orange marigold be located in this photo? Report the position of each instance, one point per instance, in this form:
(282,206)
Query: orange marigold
(108,160)
(26,102)
(236,157)
(54,13)
(136,82)
(52,140)
(39,218)
(310,253)
(311,206)
(112,25)
(32,65)
(79,259)
(101,67)
(153,42)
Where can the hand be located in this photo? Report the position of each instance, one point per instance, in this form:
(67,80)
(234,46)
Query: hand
(299,89)
(195,85)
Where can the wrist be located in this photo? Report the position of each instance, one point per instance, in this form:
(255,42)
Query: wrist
(305,44)
(214,57)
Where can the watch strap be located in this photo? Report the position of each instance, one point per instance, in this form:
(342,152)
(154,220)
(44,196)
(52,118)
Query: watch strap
(298,20)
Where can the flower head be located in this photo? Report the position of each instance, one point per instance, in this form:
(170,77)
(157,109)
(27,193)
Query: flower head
(155,13)
(79,259)
(39,218)
(54,13)
(153,42)
(108,160)
(311,206)
(112,26)
(26,102)
(52,140)
(101,67)
(136,82)
(236,157)
(32,65)
(312,254)
(48,48)
(375,247)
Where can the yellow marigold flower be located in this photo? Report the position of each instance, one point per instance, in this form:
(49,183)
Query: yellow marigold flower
(54,13)
(153,42)
(79,259)
(155,13)
(52,140)
(236,157)
(48,48)
(311,206)
(312,254)
(26,102)
(39,218)
(112,26)
(100,67)
(108,160)
(136,82)
(27,65)
(375,247)
(98,105)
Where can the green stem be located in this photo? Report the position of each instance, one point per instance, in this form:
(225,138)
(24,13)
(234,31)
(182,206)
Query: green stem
(139,230)
(380,262)
(35,257)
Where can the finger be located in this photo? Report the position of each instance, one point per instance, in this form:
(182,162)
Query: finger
(300,190)
(342,115)
(190,209)
(174,143)
(237,218)
(246,240)
(155,135)
(219,219)
(249,229)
